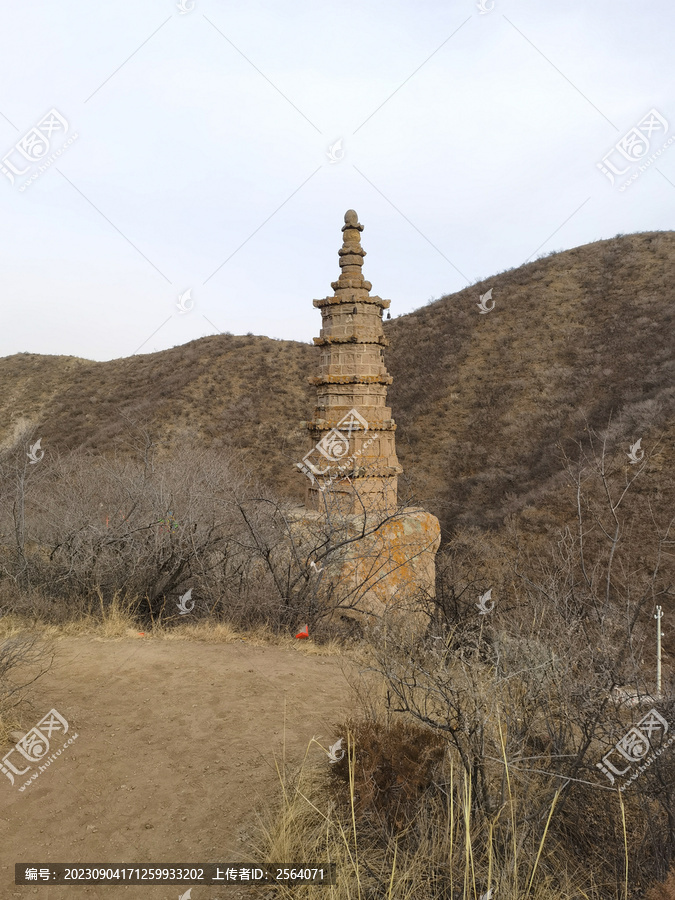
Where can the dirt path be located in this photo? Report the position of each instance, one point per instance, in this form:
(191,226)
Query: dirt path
(176,742)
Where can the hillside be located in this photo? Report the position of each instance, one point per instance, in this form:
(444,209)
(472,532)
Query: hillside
(481,401)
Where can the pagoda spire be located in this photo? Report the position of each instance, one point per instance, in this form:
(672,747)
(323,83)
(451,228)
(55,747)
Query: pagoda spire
(351,255)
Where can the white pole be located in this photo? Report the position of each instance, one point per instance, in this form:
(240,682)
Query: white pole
(657,616)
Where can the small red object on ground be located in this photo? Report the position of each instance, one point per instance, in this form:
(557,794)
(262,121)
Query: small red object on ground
(303,634)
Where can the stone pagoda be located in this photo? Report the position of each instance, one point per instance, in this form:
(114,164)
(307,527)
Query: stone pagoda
(352,430)
(375,557)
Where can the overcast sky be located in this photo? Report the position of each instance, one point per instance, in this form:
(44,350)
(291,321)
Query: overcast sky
(215,150)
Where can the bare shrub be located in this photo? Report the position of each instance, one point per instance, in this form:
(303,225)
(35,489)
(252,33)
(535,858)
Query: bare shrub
(24,658)
(532,694)
(81,532)
(83,529)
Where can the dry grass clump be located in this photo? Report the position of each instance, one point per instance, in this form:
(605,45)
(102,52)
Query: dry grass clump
(395,767)
(118,622)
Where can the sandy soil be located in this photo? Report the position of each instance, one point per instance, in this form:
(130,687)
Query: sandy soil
(176,744)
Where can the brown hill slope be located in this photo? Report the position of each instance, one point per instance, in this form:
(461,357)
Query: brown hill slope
(579,336)
(481,400)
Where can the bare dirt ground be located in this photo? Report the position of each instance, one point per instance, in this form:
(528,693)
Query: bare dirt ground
(176,744)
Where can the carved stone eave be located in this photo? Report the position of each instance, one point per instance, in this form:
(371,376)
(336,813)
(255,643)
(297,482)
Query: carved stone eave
(317,424)
(350,379)
(355,296)
(365,470)
(380,339)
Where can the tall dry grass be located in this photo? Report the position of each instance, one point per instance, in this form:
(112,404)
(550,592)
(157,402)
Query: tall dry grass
(440,852)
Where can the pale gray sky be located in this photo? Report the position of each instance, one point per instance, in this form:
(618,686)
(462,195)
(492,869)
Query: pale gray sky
(197,155)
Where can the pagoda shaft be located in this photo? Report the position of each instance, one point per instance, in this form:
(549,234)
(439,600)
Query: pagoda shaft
(352,429)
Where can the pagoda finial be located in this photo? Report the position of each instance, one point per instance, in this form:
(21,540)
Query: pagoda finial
(351,256)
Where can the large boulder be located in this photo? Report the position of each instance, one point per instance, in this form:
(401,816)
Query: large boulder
(371,566)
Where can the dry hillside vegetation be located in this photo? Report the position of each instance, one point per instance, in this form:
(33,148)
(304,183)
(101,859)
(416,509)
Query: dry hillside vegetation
(482,401)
